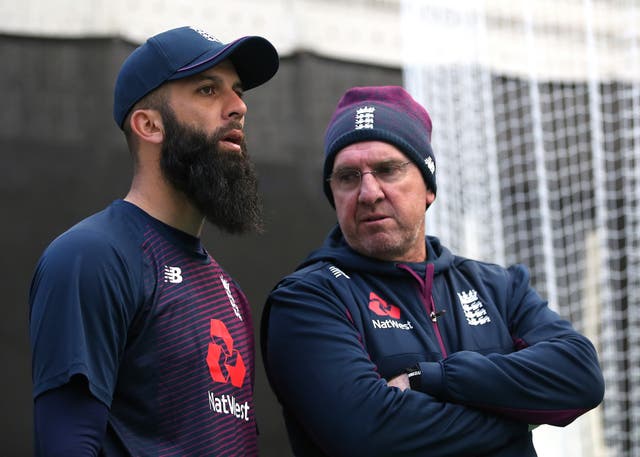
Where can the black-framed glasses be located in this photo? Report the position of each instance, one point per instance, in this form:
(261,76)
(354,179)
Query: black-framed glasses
(350,178)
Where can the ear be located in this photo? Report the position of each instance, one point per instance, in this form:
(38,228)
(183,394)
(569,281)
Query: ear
(147,125)
(431,197)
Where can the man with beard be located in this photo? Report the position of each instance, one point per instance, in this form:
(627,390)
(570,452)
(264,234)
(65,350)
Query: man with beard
(142,344)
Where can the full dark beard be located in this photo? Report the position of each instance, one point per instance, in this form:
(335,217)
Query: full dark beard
(221,184)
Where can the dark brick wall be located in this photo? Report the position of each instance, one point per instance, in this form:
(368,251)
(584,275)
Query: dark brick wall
(63,158)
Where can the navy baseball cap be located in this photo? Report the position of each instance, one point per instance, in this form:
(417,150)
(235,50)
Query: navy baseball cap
(186,51)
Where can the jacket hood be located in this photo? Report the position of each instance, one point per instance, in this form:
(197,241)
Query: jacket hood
(336,250)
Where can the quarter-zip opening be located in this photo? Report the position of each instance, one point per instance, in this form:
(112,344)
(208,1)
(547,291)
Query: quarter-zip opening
(426,285)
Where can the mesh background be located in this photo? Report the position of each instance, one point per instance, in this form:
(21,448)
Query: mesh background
(537,140)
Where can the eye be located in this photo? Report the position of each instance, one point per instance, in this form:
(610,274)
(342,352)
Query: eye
(347,176)
(206,90)
(387,170)
(390,172)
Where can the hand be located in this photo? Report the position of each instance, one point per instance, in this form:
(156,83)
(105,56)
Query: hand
(400,381)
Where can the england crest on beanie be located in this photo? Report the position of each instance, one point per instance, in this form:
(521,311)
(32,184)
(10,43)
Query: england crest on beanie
(381,113)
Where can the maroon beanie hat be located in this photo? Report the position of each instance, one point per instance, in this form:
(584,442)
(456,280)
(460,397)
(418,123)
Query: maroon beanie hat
(382,113)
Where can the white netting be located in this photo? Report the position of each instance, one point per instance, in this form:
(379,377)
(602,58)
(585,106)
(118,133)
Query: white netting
(536,112)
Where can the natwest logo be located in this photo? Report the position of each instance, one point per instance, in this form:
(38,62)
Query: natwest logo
(225,363)
(382,308)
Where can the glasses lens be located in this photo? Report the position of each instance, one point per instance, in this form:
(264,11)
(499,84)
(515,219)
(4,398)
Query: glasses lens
(390,172)
(350,178)
(347,178)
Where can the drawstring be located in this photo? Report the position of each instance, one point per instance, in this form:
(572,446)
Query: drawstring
(426,285)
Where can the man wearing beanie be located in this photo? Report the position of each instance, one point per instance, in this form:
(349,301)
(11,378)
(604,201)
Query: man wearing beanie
(142,344)
(384,343)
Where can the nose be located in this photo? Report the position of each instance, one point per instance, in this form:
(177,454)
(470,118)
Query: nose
(236,107)
(370,191)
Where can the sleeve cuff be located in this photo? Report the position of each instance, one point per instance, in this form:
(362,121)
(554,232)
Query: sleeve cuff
(432,379)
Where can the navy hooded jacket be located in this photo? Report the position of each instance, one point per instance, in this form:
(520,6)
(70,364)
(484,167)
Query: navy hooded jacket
(494,358)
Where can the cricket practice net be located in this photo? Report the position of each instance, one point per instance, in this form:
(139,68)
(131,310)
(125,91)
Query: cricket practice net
(536,114)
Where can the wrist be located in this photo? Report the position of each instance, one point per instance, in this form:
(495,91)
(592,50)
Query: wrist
(414,373)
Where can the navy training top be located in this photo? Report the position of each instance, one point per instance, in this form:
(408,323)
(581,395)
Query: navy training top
(161,332)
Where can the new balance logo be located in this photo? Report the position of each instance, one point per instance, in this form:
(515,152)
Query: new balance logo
(337,272)
(172,275)
(473,308)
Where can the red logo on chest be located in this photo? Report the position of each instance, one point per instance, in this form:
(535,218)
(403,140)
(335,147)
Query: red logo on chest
(382,308)
(225,363)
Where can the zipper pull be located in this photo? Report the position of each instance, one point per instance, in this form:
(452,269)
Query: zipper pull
(435,315)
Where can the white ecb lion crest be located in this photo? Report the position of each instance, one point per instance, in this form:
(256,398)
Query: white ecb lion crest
(473,308)
(365,117)
(205,35)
